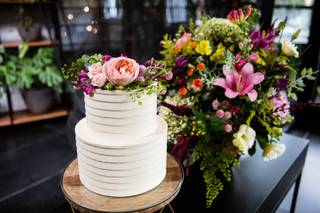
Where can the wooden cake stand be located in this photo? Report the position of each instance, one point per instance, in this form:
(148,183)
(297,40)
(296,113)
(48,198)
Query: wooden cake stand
(83,200)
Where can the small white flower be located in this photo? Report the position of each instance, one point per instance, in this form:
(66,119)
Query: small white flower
(289,49)
(244,138)
(273,151)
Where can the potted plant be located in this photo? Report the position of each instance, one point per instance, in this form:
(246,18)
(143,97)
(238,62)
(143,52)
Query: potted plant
(37,76)
(7,75)
(28,29)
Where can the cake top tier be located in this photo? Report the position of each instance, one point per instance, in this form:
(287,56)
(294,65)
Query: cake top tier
(116,73)
(117,112)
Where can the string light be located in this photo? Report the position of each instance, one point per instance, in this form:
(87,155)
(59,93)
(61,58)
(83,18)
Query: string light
(95,30)
(94,22)
(70,16)
(89,28)
(86,9)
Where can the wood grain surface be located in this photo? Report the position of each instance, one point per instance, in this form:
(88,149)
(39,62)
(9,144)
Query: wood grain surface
(84,200)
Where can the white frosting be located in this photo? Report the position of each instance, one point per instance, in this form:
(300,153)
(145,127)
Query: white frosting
(157,144)
(151,154)
(148,184)
(121,165)
(129,183)
(115,112)
(121,146)
(116,141)
(121,176)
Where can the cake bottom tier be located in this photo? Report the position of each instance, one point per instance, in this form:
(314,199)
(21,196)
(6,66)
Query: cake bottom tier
(127,168)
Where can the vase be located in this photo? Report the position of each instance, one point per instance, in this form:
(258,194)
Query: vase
(30,34)
(39,100)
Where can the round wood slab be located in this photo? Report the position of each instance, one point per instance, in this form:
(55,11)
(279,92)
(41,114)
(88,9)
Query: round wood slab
(84,200)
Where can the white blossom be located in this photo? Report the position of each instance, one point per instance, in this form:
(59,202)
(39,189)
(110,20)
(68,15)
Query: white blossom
(244,138)
(273,151)
(289,49)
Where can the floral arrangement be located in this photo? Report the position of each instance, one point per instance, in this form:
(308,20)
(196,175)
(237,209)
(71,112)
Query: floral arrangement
(116,73)
(230,92)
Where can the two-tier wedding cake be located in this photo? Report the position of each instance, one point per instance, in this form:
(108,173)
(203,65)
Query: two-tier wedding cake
(121,143)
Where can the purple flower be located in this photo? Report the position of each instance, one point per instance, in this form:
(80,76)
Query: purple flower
(182,82)
(83,82)
(106,58)
(284,69)
(281,84)
(141,73)
(181,62)
(181,148)
(264,40)
(178,110)
(150,62)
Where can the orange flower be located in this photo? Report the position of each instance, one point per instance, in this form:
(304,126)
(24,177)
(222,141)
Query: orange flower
(200,66)
(183,91)
(190,71)
(197,83)
(192,44)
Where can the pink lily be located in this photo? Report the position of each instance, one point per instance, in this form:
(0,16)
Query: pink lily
(240,83)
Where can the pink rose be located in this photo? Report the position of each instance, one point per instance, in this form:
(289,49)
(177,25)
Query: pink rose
(94,69)
(215,104)
(181,41)
(227,115)
(121,70)
(168,76)
(228,128)
(99,80)
(220,113)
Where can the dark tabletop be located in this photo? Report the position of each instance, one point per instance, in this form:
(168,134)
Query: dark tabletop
(257,186)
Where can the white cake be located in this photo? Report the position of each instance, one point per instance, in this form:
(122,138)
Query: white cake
(121,145)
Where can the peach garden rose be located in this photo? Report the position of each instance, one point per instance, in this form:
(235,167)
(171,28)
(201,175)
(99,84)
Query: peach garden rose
(121,70)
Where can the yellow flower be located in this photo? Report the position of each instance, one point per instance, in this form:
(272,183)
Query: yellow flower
(260,61)
(204,47)
(219,53)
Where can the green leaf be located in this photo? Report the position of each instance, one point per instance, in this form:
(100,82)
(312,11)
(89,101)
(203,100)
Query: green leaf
(262,140)
(199,115)
(23,49)
(293,96)
(281,25)
(295,35)
(2,50)
(252,150)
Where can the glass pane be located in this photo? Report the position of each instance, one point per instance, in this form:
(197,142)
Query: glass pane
(307,3)
(176,11)
(297,19)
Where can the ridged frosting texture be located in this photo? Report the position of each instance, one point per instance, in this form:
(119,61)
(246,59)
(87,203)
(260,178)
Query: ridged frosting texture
(115,112)
(120,165)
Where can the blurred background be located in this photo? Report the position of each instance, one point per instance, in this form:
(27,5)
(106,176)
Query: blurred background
(39,110)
